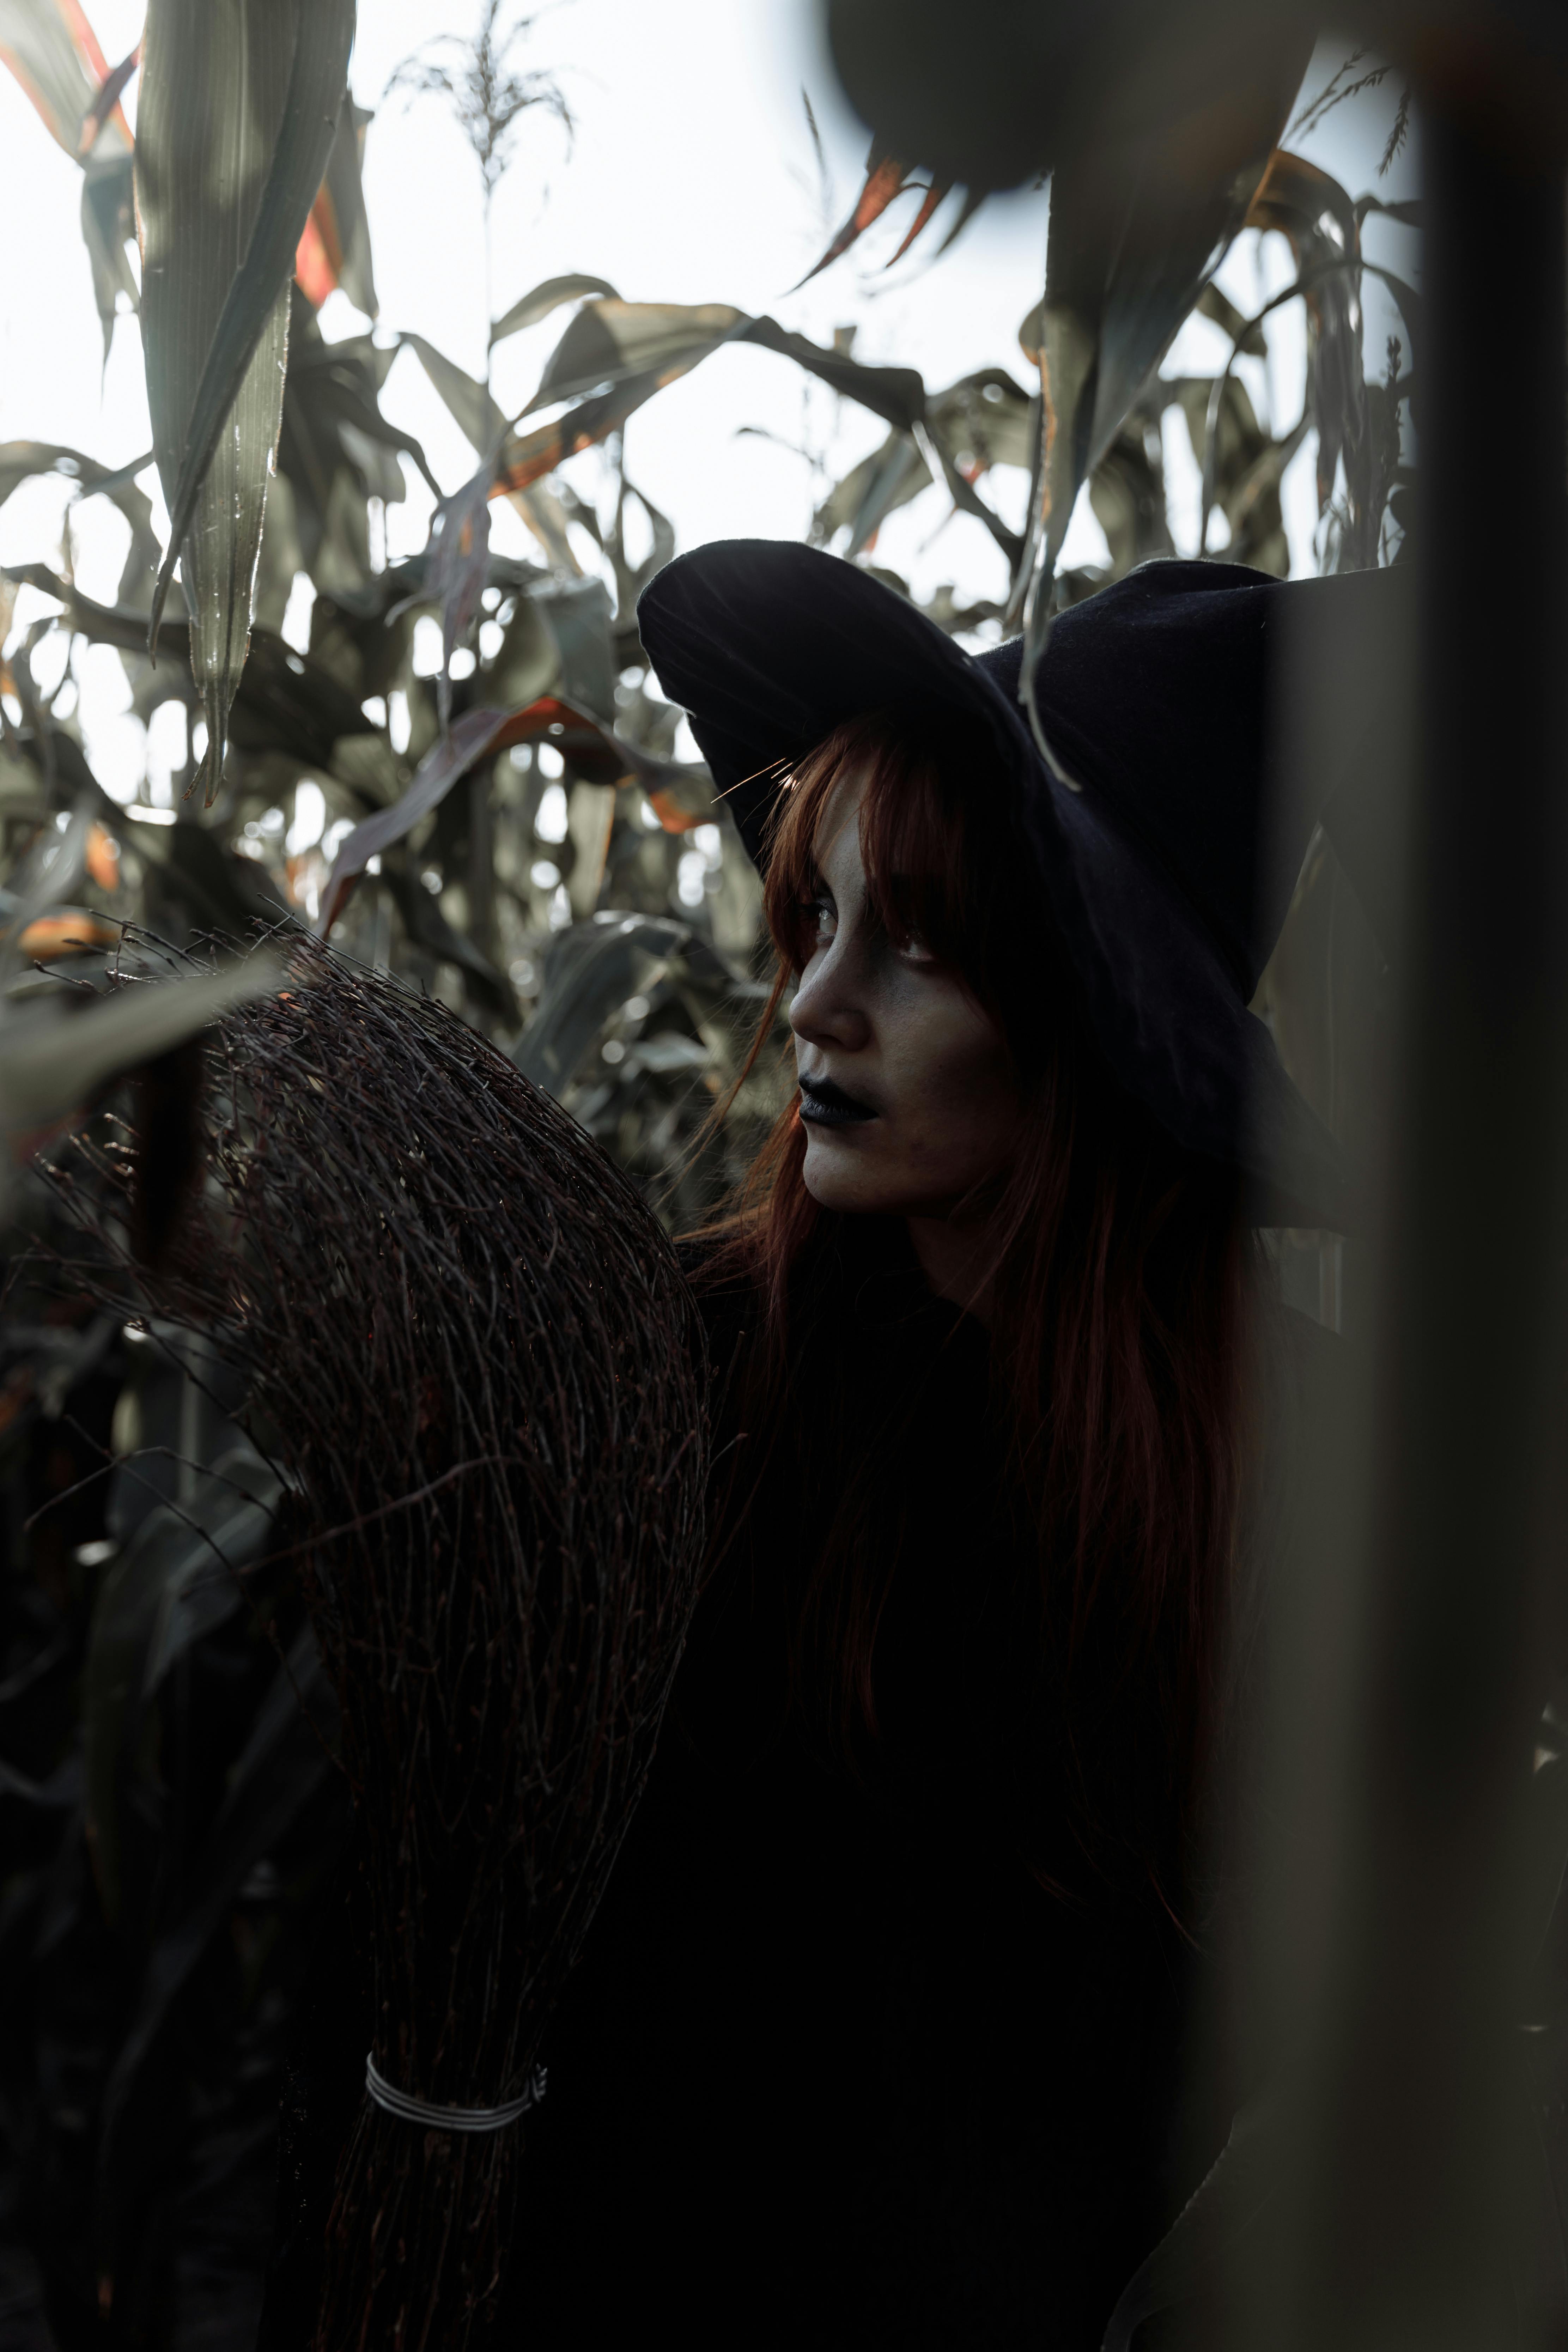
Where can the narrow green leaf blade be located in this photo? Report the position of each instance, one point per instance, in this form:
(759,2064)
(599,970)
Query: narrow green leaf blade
(613,342)
(238,109)
(473,735)
(51,1063)
(477,416)
(60,67)
(1138,224)
(548,297)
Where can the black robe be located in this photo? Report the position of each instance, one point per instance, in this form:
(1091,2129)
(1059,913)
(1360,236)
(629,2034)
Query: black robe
(836,2066)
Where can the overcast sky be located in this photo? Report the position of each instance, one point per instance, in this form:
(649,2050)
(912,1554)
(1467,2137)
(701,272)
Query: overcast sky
(691,179)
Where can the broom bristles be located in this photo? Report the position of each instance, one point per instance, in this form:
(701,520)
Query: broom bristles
(446,1300)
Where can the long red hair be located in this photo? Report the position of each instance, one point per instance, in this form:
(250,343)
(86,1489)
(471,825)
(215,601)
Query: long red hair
(1122,1270)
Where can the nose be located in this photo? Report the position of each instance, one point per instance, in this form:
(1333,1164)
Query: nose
(828,1009)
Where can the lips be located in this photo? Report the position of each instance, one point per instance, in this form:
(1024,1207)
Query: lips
(823,1104)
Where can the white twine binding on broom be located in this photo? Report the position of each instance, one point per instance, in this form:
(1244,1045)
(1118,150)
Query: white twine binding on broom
(410,2110)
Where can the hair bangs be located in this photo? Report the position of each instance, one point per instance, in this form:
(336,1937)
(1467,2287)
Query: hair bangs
(918,801)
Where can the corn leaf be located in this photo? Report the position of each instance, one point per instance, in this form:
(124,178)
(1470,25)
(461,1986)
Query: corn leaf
(895,394)
(1322,227)
(336,450)
(885,179)
(479,418)
(482,423)
(592,969)
(286,702)
(593,751)
(621,353)
(334,247)
(428,928)
(932,199)
(457,568)
(527,457)
(239,109)
(279,1770)
(982,421)
(1137,226)
(108,226)
(107,102)
(49,47)
(889,478)
(470,739)
(192,1553)
(627,347)
(612,343)
(21,460)
(51,1063)
(544,298)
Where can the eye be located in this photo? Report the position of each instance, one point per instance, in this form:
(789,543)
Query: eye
(908,939)
(818,921)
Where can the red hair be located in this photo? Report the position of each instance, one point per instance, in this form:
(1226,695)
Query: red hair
(1122,1270)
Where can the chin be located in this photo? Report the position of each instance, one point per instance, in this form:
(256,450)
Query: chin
(837,1177)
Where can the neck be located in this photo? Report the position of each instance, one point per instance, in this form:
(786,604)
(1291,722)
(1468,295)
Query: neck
(954,1259)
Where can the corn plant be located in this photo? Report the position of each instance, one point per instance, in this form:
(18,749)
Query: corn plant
(467,776)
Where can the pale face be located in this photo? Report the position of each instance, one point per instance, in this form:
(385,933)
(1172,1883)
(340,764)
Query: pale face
(921,1103)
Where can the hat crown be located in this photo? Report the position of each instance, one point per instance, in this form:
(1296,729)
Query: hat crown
(1153,697)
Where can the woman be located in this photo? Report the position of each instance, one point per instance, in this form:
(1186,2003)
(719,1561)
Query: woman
(878,2037)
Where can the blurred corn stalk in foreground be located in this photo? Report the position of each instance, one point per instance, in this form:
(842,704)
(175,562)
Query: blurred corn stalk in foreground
(1402,2180)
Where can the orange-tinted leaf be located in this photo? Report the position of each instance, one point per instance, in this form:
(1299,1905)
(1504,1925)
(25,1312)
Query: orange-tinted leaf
(884,181)
(103,857)
(673,816)
(61,934)
(52,50)
(334,248)
(933,196)
(74,16)
(597,755)
(314,265)
(528,457)
(107,102)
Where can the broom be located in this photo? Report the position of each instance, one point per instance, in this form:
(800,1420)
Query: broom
(470,1349)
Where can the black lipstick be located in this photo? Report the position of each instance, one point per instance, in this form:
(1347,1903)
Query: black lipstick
(826,1105)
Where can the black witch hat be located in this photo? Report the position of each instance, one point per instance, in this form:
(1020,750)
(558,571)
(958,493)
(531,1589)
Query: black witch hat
(1166,848)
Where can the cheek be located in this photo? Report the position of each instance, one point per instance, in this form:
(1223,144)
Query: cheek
(955,1092)
(973,1096)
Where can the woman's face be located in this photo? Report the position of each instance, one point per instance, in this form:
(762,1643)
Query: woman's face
(907,1090)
